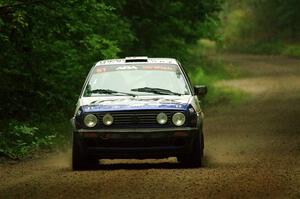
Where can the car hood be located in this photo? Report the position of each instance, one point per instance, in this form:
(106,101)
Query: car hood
(122,103)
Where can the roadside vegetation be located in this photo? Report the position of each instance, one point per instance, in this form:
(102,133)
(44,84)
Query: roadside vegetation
(48,47)
(262,27)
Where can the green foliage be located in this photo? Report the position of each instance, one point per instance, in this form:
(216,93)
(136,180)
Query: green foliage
(216,95)
(48,47)
(271,48)
(237,29)
(49,50)
(165,28)
(205,48)
(280,19)
(19,140)
(261,26)
(205,63)
(207,69)
(292,51)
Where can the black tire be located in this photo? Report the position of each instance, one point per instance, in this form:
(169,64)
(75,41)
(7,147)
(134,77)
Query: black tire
(79,160)
(194,159)
(202,146)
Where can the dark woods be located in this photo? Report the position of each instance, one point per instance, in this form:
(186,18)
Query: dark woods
(47,47)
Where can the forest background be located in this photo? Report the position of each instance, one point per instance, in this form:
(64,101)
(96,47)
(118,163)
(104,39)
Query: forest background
(48,47)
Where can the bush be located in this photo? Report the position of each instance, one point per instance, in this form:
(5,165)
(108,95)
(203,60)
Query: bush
(45,57)
(270,48)
(262,26)
(19,140)
(292,51)
(216,94)
(207,68)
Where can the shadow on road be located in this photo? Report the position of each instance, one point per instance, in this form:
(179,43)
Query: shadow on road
(120,165)
(140,166)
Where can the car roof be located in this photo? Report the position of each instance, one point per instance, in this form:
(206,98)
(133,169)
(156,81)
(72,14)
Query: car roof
(137,60)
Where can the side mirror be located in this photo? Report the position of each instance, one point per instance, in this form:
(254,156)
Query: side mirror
(200,90)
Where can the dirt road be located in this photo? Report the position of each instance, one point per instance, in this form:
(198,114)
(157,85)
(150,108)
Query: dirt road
(252,151)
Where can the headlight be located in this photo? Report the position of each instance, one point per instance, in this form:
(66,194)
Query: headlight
(162,118)
(178,119)
(90,120)
(108,119)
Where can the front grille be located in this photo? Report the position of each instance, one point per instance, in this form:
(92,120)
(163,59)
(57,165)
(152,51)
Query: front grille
(136,119)
(129,143)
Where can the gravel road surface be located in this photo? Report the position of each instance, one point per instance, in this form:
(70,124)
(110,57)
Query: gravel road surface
(252,150)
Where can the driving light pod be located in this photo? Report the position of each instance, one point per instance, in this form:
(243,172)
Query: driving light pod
(162,118)
(178,119)
(108,119)
(90,120)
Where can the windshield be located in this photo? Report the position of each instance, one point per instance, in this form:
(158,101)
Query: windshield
(146,79)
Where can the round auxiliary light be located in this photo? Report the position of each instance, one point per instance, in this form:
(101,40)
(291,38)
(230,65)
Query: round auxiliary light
(178,119)
(108,119)
(162,118)
(90,120)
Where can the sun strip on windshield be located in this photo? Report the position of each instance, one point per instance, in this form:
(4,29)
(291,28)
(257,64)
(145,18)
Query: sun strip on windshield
(103,69)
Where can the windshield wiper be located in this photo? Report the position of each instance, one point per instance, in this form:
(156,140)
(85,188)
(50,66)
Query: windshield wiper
(108,91)
(155,91)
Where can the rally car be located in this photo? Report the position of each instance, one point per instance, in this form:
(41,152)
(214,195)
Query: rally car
(138,107)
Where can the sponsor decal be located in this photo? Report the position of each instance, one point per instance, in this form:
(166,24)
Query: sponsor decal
(127,68)
(163,67)
(124,107)
(100,70)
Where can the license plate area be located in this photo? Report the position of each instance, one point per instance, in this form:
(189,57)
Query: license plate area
(130,140)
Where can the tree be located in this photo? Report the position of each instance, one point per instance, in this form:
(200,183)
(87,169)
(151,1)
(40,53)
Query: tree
(47,49)
(165,28)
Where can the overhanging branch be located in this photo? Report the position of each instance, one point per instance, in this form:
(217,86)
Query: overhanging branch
(20,4)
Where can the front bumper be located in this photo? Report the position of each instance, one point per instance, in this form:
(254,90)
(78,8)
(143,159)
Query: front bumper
(136,143)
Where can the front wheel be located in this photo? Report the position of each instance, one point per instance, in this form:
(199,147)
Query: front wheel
(194,159)
(79,160)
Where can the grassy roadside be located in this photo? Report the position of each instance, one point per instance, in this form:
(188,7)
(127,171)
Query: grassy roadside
(22,140)
(207,68)
(268,48)
(243,33)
